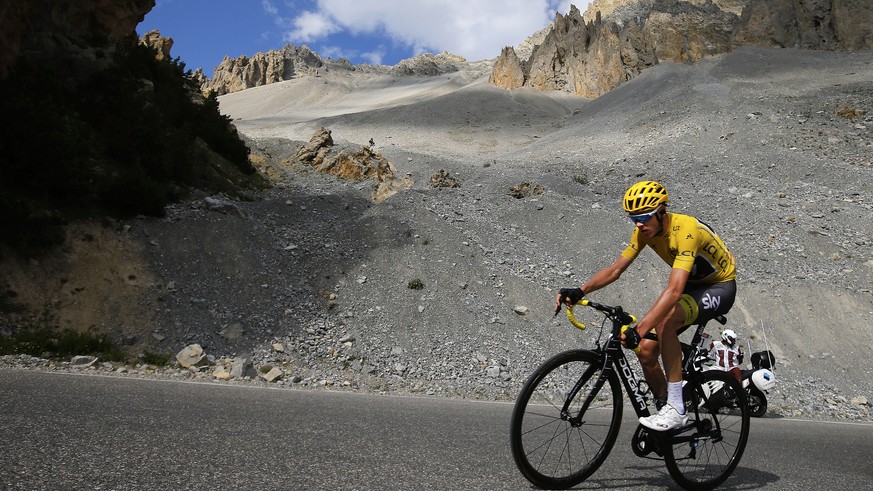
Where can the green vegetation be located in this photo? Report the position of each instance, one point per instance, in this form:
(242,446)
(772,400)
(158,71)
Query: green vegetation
(152,358)
(415,284)
(47,343)
(580,179)
(106,139)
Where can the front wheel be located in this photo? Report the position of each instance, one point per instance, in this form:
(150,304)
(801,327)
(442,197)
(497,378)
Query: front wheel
(704,453)
(566,419)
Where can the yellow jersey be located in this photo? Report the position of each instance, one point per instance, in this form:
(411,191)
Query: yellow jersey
(690,245)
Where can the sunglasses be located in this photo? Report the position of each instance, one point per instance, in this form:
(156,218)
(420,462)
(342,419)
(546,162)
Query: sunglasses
(643,217)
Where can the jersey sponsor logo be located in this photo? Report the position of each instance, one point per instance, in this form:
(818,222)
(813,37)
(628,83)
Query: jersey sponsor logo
(710,302)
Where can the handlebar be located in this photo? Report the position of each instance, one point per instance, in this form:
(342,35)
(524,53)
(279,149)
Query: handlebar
(621,320)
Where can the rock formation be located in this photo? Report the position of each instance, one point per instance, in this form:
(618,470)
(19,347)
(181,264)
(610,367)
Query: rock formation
(428,64)
(160,44)
(507,72)
(616,39)
(236,74)
(830,25)
(244,72)
(586,59)
(364,163)
(84,28)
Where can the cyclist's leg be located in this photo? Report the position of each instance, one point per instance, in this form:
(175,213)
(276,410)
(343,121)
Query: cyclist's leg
(671,415)
(699,302)
(671,349)
(652,372)
(671,355)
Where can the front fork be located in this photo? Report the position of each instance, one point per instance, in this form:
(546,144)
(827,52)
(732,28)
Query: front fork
(577,421)
(612,358)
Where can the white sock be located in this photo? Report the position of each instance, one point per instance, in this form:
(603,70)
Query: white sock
(674,396)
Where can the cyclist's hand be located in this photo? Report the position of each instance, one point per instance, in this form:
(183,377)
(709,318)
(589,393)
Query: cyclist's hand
(569,296)
(631,338)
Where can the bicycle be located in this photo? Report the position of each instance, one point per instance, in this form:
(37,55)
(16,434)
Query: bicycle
(567,416)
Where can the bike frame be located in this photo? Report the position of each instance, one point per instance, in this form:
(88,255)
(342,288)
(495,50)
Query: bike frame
(613,358)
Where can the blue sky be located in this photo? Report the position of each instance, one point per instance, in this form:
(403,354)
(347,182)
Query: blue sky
(362,31)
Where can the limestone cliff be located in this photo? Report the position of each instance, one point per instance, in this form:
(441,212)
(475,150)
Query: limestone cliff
(507,72)
(235,74)
(831,25)
(82,29)
(614,40)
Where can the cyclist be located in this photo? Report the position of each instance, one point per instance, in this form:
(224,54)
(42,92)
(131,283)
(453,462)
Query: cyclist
(728,354)
(701,286)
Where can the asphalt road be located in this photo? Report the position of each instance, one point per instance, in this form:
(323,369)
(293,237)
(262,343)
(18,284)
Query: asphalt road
(65,431)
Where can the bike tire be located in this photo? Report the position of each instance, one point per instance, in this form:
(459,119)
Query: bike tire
(703,454)
(551,451)
(757,403)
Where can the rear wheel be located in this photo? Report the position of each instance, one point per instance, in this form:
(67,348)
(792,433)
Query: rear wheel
(556,441)
(703,454)
(757,402)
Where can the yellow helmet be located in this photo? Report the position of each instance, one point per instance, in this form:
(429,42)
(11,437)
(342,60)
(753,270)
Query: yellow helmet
(644,196)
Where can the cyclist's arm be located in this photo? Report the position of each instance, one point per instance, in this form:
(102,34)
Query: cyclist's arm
(666,301)
(606,275)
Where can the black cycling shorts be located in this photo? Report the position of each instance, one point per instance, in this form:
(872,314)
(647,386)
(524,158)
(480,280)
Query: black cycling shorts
(705,301)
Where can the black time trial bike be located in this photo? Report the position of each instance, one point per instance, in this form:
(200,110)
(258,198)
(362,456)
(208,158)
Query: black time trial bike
(567,416)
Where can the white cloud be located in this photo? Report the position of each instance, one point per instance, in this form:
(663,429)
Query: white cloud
(270,8)
(474,29)
(310,26)
(374,57)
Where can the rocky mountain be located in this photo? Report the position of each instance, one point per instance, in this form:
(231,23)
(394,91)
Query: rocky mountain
(613,41)
(47,28)
(616,39)
(244,72)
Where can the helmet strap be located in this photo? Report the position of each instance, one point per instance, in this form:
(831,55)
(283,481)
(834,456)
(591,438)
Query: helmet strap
(660,217)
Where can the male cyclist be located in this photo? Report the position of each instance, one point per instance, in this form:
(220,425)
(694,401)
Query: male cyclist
(700,287)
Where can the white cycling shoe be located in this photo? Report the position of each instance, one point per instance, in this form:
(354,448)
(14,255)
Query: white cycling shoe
(668,418)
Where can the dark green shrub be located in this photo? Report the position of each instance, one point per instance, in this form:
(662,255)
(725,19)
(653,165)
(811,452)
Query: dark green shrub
(152,358)
(60,345)
(120,140)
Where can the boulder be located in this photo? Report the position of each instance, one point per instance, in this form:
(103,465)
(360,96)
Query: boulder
(357,165)
(443,179)
(192,356)
(273,375)
(243,367)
